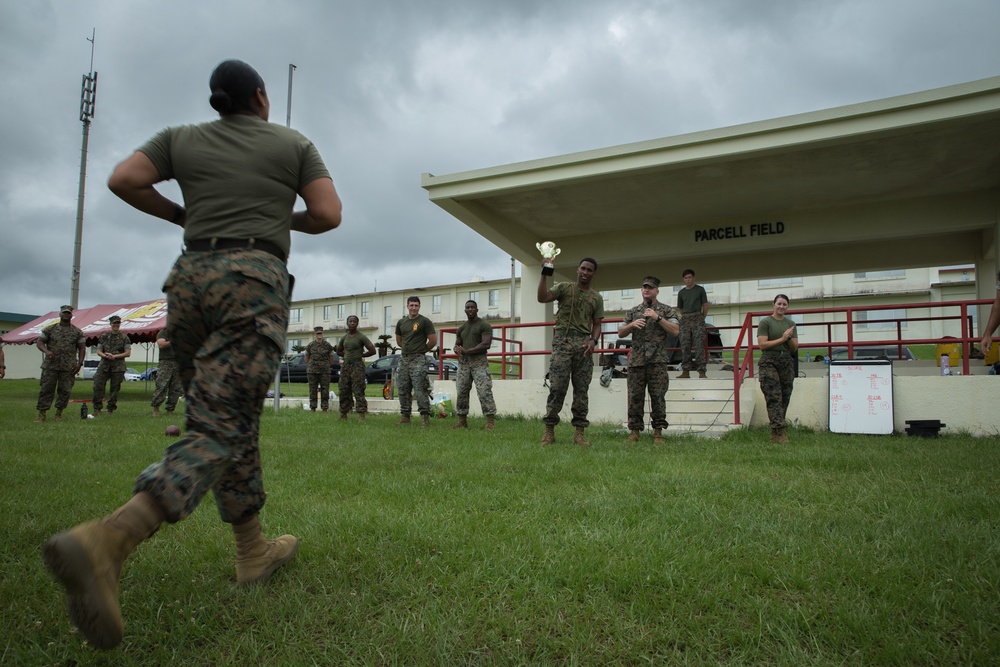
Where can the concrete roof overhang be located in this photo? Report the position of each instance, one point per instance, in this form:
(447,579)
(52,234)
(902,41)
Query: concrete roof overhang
(902,182)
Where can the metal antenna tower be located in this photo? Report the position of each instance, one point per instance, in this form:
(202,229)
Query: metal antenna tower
(88,97)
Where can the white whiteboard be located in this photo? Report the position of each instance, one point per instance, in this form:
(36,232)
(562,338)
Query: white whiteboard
(861,396)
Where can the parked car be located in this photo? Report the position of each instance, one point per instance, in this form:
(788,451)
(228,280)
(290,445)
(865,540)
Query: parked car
(132,376)
(891,352)
(293,369)
(89,368)
(380,370)
(148,375)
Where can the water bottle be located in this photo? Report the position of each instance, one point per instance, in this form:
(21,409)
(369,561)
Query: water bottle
(945,364)
(83,411)
(808,358)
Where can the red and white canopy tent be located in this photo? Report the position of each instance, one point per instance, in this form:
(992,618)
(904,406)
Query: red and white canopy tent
(141,321)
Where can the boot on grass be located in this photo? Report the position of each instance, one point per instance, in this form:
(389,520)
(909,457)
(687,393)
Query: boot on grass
(41,416)
(257,557)
(579,438)
(404,420)
(490,423)
(58,416)
(343,416)
(156,411)
(87,560)
(781,435)
(425,421)
(657,436)
(633,436)
(463,422)
(361,417)
(549,438)
(774,435)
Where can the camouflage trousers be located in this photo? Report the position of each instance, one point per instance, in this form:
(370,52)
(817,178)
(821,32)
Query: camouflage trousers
(692,341)
(569,364)
(50,380)
(101,378)
(776,374)
(411,378)
(168,385)
(654,379)
(319,385)
(228,313)
(352,387)
(474,368)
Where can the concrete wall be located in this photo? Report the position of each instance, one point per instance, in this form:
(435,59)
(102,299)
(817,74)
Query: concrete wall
(963,403)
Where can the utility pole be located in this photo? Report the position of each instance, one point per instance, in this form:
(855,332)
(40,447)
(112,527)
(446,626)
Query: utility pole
(288,113)
(88,98)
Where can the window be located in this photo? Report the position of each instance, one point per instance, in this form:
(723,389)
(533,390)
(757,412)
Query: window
(364,308)
(389,327)
(709,287)
(295,316)
(880,275)
(779,282)
(292,343)
(326,313)
(436,303)
(474,296)
(604,294)
(863,320)
(494,298)
(340,311)
(626,293)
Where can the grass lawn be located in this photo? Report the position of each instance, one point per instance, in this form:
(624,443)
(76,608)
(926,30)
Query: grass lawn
(444,547)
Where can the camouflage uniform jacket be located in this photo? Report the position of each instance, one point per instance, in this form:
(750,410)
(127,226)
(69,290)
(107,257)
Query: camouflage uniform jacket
(113,343)
(649,345)
(319,352)
(64,342)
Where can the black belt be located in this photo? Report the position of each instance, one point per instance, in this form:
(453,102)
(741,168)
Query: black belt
(208,245)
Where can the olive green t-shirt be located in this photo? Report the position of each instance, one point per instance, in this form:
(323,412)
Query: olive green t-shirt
(775,329)
(414,333)
(239,175)
(471,334)
(354,346)
(577,308)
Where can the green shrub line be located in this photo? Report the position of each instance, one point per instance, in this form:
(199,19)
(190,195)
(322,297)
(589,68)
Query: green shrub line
(437,546)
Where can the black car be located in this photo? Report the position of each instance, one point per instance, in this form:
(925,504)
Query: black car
(380,370)
(293,369)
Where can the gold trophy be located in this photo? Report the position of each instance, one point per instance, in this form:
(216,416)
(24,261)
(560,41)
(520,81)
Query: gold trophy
(549,252)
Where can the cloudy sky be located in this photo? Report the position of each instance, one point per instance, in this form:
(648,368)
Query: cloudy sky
(388,90)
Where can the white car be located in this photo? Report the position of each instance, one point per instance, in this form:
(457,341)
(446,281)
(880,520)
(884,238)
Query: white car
(132,376)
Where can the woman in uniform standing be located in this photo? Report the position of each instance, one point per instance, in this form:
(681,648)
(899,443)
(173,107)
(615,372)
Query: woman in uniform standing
(777,340)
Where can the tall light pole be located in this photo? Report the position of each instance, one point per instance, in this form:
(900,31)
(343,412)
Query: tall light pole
(88,98)
(288,114)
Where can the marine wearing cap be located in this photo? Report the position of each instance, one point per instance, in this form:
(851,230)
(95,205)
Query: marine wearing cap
(651,281)
(65,309)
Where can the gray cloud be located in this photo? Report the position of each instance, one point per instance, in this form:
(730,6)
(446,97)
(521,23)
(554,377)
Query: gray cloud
(390,90)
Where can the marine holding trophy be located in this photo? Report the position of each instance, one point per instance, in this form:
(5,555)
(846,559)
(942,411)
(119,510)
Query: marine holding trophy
(576,333)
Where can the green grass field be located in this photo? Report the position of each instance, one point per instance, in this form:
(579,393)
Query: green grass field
(453,548)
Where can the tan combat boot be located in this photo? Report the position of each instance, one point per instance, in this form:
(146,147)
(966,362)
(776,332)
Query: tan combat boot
(257,557)
(782,435)
(156,411)
(405,420)
(361,417)
(549,437)
(462,422)
(87,560)
(633,436)
(58,416)
(343,416)
(425,421)
(490,423)
(774,435)
(702,374)
(97,412)
(684,375)
(41,416)
(657,436)
(579,438)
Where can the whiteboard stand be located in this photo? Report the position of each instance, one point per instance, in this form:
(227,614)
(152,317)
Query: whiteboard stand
(861,397)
